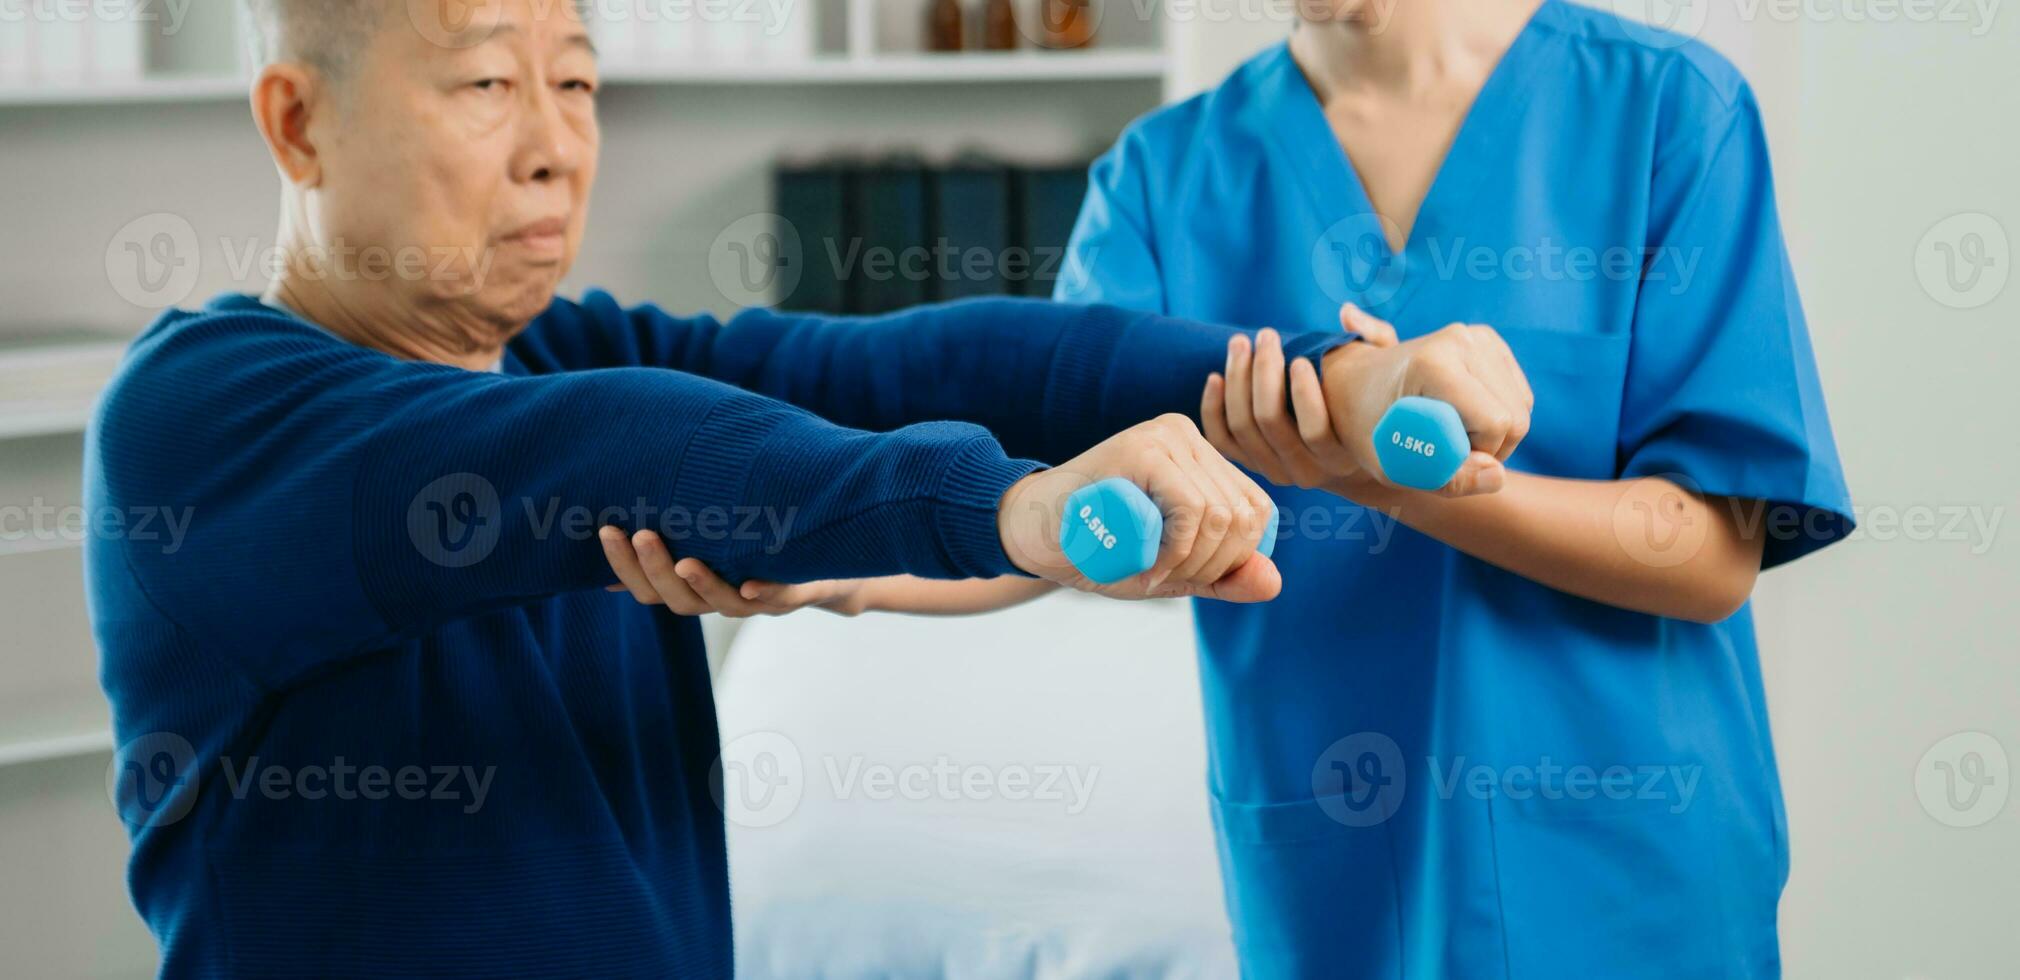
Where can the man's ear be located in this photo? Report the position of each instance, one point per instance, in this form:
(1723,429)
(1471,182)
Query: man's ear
(283,97)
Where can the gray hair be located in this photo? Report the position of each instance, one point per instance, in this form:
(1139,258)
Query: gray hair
(325,34)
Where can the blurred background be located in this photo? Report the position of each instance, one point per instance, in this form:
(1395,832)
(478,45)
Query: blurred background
(131,179)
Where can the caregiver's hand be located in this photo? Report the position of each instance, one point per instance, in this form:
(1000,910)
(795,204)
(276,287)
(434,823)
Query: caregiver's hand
(1214,516)
(647,569)
(1321,435)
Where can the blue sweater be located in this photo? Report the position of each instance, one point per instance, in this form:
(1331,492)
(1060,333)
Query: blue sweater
(378,716)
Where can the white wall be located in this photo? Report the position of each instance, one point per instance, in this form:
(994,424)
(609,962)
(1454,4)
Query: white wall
(1876,650)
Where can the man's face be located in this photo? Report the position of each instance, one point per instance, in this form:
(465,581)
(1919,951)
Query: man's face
(467,137)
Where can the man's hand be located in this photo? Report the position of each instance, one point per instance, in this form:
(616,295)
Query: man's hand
(1214,516)
(1323,437)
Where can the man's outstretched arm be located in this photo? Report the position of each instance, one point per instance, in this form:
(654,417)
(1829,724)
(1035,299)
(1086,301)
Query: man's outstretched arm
(356,497)
(1048,379)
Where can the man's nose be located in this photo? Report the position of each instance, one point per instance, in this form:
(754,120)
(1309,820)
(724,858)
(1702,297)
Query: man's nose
(549,149)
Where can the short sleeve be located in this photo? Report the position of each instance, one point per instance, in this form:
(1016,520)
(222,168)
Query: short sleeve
(1111,259)
(1722,393)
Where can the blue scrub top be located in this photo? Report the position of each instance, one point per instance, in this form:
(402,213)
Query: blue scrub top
(1422,765)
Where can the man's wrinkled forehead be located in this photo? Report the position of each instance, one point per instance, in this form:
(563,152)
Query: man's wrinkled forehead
(462,24)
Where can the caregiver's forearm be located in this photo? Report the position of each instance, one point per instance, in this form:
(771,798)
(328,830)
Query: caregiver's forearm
(1644,545)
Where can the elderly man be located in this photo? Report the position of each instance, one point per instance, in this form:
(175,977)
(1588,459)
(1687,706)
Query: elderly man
(380,715)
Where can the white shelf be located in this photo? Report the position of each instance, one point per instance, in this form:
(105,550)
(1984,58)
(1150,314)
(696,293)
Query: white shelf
(135,91)
(29,751)
(73,725)
(970,66)
(51,390)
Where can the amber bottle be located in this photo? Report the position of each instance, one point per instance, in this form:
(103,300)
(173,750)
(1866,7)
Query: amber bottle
(999,25)
(944,30)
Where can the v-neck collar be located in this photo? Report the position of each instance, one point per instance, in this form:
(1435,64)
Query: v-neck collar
(1335,187)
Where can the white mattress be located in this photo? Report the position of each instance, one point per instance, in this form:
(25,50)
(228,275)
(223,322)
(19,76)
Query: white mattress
(932,872)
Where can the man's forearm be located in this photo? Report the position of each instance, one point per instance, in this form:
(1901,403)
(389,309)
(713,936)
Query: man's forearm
(1644,545)
(1048,379)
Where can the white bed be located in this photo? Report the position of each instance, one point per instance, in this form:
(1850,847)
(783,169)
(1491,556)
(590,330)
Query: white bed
(866,764)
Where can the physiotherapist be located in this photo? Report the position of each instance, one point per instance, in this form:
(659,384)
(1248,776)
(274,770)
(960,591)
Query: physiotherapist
(1524,737)
(393,484)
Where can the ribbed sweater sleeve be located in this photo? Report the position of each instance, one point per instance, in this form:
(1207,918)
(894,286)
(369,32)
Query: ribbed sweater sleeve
(1047,379)
(338,496)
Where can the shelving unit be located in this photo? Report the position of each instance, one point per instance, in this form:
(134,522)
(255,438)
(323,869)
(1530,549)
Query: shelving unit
(896,69)
(49,388)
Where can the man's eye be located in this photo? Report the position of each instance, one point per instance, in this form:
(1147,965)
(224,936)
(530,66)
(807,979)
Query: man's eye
(578,85)
(488,85)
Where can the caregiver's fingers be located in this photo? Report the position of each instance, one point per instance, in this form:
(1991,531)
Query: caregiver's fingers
(1213,416)
(678,594)
(1241,426)
(721,596)
(1272,413)
(623,560)
(1372,329)
(1450,371)
(1494,364)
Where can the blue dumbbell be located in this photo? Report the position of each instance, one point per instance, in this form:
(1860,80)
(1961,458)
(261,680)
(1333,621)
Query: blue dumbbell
(1421,443)
(1111,531)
